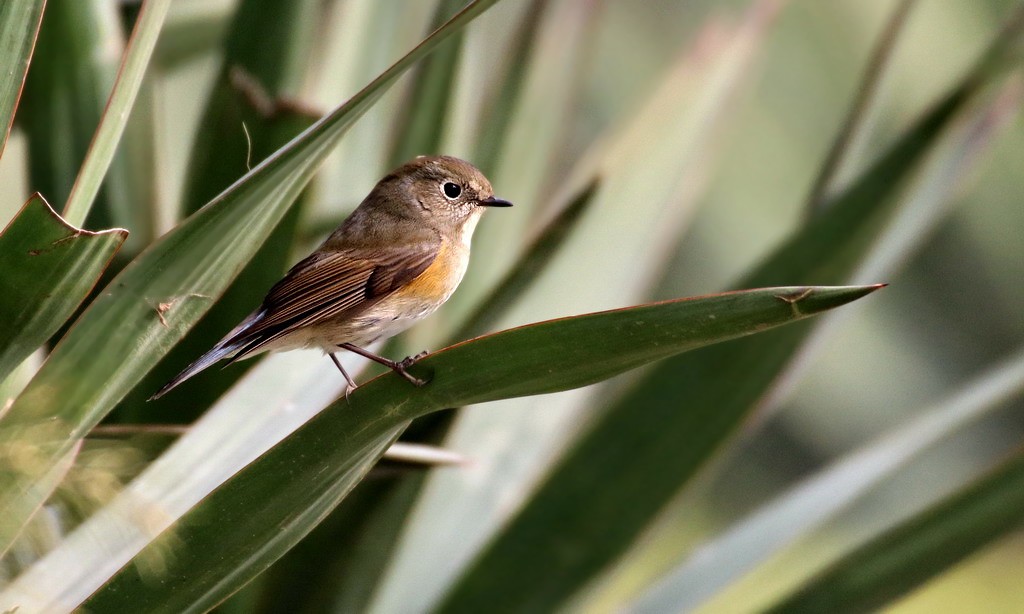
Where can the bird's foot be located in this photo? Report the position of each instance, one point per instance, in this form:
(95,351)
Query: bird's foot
(402,366)
(409,361)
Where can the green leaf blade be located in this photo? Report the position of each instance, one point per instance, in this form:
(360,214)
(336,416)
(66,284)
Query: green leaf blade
(49,268)
(73,70)
(644,334)
(903,558)
(115,114)
(19,26)
(280,497)
(822,496)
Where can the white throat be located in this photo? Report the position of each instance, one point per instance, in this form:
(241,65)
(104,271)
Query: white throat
(470,226)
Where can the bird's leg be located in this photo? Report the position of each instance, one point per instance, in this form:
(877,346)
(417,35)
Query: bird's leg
(398,367)
(351,383)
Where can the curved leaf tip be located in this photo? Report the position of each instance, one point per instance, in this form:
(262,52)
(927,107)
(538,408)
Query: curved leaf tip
(37,199)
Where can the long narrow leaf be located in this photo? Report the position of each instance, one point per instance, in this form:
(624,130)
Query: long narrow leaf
(157,298)
(820,497)
(258,514)
(49,268)
(19,25)
(903,558)
(854,124)
(73,70)
(115,116)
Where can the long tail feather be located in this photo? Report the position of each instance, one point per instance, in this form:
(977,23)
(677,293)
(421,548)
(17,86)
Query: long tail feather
(227,347)
(217,353)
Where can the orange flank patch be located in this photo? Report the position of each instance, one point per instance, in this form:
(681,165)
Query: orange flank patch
(437,281)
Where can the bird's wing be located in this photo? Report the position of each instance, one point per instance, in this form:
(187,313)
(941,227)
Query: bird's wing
(324,286)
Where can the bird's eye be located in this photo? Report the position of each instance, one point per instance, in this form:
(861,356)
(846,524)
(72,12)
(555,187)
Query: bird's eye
(451,190)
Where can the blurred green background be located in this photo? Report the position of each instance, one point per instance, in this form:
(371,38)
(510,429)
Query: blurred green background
(952,309)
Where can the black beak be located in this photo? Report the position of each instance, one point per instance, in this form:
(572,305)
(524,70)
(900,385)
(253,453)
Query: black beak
(494,202)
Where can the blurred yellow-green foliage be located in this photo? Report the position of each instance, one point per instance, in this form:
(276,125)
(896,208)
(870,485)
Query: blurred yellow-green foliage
(953,309)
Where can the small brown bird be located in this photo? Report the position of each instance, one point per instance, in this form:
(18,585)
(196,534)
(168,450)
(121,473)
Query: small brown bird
(393,261)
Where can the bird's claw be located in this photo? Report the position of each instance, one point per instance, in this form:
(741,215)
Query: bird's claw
(408,361)
(402,366)
(348,389)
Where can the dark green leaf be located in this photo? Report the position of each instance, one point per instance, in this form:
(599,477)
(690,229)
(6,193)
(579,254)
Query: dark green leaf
(72,73)
(251,520)
(19,25)
(49,268)
(905,557)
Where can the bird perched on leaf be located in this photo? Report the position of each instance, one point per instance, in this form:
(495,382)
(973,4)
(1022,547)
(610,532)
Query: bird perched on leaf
(393,261)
